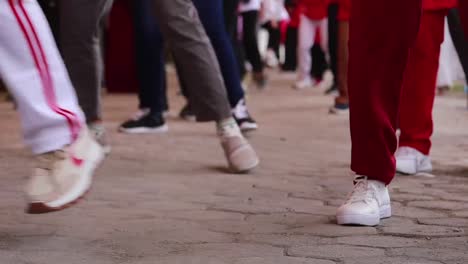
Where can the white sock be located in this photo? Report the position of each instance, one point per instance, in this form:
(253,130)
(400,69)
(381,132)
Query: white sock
(228,128)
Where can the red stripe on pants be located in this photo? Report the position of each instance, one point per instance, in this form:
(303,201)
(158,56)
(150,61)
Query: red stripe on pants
(381,34)
(419,85)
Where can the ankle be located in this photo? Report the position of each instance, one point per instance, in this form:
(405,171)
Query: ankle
(228,128)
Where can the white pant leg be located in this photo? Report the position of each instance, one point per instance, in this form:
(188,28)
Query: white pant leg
(39,82)
(323,26)
(306,38)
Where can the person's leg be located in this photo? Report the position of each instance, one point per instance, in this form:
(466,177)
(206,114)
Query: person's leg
(53,123)
(250,40)
(323,27)
(290,60)
(379,45)
(149,52)
(151,72)
(342,102)
(306,38)
(231,18)
(417,98)
(333,40)
(181,26)
(80,22)
(211,15)
(463,9)
(189,41)
(458,37)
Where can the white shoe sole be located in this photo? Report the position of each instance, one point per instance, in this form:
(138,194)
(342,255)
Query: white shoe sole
(363,219)
(411,167)
(336,111)
(145,130)
(245,127)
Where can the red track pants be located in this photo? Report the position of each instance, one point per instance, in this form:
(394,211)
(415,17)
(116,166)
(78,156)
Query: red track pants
(381,35)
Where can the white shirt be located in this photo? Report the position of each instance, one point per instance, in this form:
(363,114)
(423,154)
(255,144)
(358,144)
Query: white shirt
(274,10)
(252,5)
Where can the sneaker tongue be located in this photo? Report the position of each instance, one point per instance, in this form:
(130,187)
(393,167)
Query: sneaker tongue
(358,179)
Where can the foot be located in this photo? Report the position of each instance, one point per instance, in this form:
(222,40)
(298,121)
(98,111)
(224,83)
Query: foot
(242,116)
(98,131)
(239,153)
(260,79)
(303,84)
(326,82)
(187,113)
(63,177)
(149,123)
(332,90)
(366,205)
(410,161)
(339,109)
(270,59)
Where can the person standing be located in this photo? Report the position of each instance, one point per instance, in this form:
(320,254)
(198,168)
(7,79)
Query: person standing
(313,21)
(379,47)
(53,123)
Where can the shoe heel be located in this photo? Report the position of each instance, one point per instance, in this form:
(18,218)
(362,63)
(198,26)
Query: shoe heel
(385,211)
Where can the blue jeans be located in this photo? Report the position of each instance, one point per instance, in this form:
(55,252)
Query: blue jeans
(150,52)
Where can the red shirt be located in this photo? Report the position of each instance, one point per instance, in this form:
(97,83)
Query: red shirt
(439,4)
(314,9)
(344,10)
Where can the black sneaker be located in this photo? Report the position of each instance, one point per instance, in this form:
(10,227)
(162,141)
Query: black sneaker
(187,113)
(243,118)
(149,123)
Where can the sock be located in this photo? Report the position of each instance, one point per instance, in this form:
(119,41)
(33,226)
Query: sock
(228,128)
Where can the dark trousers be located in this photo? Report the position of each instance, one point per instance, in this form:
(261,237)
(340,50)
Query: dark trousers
(149,58)
(250,20)
(274,38)
(212,17)
(290,58)
(333,38)
(459,40)
(231,19)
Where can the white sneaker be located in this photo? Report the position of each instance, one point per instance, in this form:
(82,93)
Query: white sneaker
(303,84)
(410,161)
(366,205)
(326,82)
(63,177)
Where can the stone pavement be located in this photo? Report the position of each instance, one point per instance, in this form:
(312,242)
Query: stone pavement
(167,199)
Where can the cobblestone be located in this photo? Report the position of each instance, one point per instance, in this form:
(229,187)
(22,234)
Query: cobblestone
(167,199)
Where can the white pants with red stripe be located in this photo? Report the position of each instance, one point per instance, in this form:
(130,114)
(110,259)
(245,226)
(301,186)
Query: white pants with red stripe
(308,30)
(33,71)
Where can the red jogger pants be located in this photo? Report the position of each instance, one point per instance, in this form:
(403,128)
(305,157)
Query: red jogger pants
(381,35)
(419,84)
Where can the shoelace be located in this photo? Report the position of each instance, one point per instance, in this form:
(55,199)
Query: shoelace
(362,191)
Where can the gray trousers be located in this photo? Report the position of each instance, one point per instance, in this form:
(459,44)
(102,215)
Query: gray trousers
(181,26)
(80,24)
